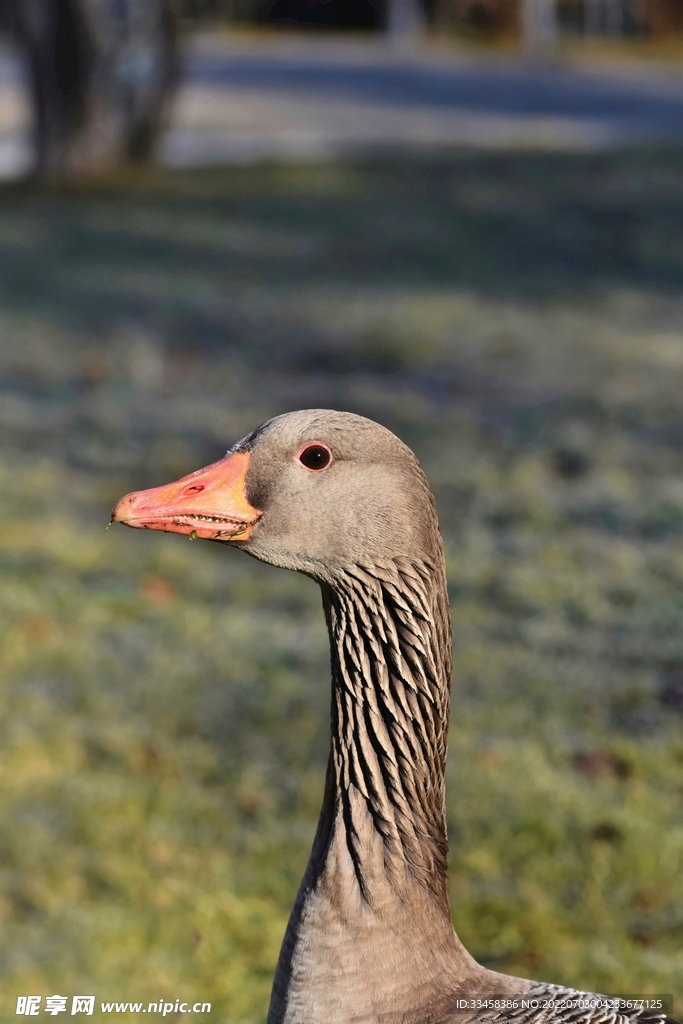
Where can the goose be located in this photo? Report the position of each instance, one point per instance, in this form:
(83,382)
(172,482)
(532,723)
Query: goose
(341,499)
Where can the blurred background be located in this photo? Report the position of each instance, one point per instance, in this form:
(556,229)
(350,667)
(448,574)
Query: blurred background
(464,220)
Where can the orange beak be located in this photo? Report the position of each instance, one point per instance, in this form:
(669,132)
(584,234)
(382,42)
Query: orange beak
(210,503)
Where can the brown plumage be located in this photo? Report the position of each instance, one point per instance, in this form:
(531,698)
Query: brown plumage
(370,939)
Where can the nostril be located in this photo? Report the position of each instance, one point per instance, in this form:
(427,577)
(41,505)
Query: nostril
(195,489)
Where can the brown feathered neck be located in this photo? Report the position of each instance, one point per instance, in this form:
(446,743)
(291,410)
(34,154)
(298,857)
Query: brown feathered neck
(390,643)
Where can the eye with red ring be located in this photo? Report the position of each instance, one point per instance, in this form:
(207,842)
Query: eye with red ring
(315,456)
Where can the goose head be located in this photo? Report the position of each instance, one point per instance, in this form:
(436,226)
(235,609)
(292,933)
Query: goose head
(315,491)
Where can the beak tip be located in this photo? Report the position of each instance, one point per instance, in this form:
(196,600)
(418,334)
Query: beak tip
(122,506)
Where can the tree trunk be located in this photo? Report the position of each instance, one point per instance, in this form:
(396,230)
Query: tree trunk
(101,72)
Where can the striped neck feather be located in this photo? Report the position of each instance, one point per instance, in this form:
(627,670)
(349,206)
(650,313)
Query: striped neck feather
(390,641)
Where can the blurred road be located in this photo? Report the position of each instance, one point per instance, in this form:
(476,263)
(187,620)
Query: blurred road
(247,98)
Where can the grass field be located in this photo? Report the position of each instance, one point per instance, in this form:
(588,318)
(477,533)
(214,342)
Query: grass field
(518,320)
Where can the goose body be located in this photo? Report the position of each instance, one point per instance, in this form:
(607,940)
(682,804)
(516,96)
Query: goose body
(370,939)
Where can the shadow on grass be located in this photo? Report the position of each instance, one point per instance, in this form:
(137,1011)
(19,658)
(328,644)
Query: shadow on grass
(528,226)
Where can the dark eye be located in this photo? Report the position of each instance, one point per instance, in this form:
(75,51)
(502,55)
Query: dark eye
(315,456)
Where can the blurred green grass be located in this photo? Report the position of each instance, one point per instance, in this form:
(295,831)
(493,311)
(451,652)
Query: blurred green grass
(518,320)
